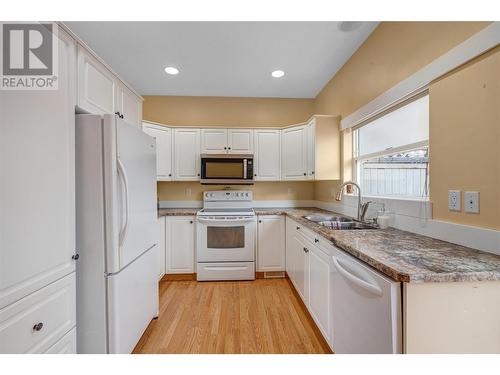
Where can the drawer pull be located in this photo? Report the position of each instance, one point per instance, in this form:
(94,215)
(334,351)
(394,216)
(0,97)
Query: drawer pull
(316,240)
(306,250)
(297,228)
(75,257)
(38,327)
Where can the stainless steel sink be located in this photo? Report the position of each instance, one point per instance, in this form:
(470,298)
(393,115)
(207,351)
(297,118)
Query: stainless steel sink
(318,218)
(338,222)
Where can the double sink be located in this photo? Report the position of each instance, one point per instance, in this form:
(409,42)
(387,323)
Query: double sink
(338,222)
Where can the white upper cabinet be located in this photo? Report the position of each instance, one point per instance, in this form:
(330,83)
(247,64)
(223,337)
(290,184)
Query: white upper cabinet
(267,157)
(163,136)
(186,154)
(294,153)
(97,86)
(37,164)
(240,141)
(214,141)
(311,149)
(271,243)
(129,105)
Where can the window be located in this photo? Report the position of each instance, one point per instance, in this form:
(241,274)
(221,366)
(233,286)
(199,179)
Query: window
(391,152)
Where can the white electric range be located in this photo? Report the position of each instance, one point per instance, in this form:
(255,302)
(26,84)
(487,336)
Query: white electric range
(226,236)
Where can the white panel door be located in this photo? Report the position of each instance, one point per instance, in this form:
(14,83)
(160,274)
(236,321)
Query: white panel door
(267,159)
(319,289)
(294,153)
(187,154)
(214,141)
(301,263)
(180,244)
(240,141)
(161,246)
(311,150)
(97,86)
(37,183)
(129,105)
(163,136)
(135,194)
(271,243)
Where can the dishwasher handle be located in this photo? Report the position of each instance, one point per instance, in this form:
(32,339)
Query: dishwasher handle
(355,279)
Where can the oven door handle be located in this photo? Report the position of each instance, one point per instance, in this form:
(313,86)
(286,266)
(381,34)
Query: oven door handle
(239,220)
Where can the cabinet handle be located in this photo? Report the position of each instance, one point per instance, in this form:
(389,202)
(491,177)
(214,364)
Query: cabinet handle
(255,175)
(312,172)
(38,327)
(198,175)
(75,256)
(316,240)
(122,116)
(260,221)
(229,148)
(306,250)
(190,221)
(305,174)
(117,113)
(297,228)
(170,175)
(225,148)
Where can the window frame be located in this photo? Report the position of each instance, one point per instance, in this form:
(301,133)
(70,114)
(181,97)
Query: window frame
(356,159)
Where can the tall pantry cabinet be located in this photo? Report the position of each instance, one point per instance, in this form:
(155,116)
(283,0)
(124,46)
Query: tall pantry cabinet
(37,213)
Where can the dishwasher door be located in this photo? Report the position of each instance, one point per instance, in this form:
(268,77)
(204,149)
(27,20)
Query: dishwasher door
(365,307)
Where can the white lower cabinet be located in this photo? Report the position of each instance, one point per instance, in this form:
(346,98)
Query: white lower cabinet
(180,231)
(271,243)
(161,245)
(36,322)
(66,345)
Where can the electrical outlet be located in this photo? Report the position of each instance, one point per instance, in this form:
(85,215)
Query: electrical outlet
(454,200)
(471,202)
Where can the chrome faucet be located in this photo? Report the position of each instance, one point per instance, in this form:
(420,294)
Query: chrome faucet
(362,208)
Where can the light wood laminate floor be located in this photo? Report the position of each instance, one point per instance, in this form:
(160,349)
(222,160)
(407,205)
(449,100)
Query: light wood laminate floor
(261,316)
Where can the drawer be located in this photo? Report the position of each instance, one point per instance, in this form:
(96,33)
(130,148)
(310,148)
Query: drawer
(66,345)
(225,271)
(36,322)
(322,243)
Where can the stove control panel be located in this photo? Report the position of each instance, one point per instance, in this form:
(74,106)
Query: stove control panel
(228,195)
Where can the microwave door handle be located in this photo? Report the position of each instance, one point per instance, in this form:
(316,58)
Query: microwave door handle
(244,169)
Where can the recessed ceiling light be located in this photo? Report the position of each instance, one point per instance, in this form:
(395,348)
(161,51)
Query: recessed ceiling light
(278,73)
(171,70)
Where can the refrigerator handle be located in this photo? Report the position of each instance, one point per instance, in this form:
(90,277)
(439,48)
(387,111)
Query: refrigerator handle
(123,174)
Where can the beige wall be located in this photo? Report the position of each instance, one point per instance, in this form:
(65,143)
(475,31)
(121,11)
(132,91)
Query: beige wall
(283,190)
(394,51)
(226,112)
(464,140)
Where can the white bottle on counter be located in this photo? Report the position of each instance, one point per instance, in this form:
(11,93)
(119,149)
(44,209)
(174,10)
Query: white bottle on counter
(383,218)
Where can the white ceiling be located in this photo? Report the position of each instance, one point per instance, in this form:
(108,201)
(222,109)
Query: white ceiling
(225,58)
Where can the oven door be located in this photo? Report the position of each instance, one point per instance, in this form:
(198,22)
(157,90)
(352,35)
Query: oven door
(225,239)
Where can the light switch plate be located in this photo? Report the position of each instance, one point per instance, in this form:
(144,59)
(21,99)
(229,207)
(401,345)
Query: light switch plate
(454,200)
(471,202)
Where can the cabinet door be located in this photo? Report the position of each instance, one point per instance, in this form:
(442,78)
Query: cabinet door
(271,243)
(161,245)
(289,248)
(213,141)
(37,183)
(130,106)
(301,265)
(97,86)
(319,289)
(240,141)
(294,153)
(180,244)
(163,136)
(187,154)
(267,155)
(311,150)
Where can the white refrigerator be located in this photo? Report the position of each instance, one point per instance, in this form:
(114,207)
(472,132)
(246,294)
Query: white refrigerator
(117,239)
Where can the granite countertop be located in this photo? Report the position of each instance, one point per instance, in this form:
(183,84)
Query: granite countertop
(403,256)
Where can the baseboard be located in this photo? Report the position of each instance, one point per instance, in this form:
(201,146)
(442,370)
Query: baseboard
(270,274)
(179,277)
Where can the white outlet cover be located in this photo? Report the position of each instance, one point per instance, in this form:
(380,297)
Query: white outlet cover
(454,200)
(471,202)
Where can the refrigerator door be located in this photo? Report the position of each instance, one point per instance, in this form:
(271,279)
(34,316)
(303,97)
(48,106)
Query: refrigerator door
(130,188)
(132,301)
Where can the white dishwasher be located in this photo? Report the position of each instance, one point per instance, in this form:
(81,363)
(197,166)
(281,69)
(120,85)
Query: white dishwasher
(365,308)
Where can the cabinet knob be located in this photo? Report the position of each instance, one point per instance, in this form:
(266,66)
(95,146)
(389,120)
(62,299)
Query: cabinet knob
(75,256)
(117,113)
(190,221)
(225,148)
(297,228)
(305,174)
(255,175)
(198,175)
(312,172)
(260,221)
(306,250)
(38,327)
(170,175)
(316,240)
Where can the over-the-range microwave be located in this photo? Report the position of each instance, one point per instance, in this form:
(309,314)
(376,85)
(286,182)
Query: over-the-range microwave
(230,169)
